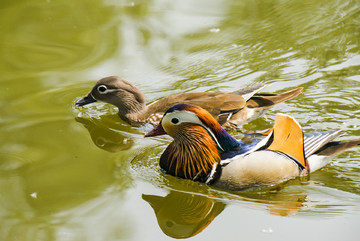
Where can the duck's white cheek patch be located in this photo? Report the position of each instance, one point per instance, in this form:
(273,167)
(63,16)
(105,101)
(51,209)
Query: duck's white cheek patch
(182,116)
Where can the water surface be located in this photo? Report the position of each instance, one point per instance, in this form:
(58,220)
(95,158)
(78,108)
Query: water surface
(83,174)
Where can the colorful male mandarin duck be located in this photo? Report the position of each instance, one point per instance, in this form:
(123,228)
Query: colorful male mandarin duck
(203,151)
(230,109)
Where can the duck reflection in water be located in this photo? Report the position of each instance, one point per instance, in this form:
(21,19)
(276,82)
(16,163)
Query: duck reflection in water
(183,215)
(108,138)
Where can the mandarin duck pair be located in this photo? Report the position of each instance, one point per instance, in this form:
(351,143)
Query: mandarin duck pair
(203,151)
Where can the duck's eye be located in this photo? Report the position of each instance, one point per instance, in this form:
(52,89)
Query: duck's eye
(174,120)
(102,89)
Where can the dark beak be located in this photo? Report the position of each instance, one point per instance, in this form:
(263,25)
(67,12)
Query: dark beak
(157,131)
(86,100)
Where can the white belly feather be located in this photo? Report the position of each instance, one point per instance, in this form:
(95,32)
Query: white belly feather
(262,168)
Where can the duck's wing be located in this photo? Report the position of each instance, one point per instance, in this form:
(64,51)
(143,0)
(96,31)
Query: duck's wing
(208,100)
(285,136)
(277,158)
(224,102)
(257,104)
(221,105)
(266,101)
(288,138)
(247,143)
(312,151)
(224,106)
(250,91)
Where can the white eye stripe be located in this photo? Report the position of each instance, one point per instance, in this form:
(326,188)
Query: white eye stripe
(102,89)
(186,116)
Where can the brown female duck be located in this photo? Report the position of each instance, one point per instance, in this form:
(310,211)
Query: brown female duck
(230,109)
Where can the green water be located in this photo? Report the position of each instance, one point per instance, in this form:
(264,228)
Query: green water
(83,174)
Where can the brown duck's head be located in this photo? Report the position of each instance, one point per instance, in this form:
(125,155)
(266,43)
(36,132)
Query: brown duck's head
(116,91)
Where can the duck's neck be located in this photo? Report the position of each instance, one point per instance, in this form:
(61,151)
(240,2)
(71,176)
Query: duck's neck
(193,152)
(226,142)
(132,111)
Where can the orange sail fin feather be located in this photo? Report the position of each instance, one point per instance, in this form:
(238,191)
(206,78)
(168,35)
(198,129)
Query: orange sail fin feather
(288,138)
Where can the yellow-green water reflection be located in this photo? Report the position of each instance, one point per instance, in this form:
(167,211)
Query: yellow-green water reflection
(82,174)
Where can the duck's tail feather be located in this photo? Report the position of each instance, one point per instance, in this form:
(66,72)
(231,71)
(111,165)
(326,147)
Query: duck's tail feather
(266,101)
(337,147)
(314,141)
(324,155)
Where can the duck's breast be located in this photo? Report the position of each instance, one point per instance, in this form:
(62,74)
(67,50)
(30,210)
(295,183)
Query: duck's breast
(257,169)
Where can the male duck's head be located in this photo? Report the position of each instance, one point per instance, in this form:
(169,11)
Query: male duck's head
(198,141)
(186,120)
(117,91)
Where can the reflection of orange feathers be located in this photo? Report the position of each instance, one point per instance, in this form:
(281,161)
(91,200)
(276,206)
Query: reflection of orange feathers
(287,207)
(193,151)
(183,215)
(288,138)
